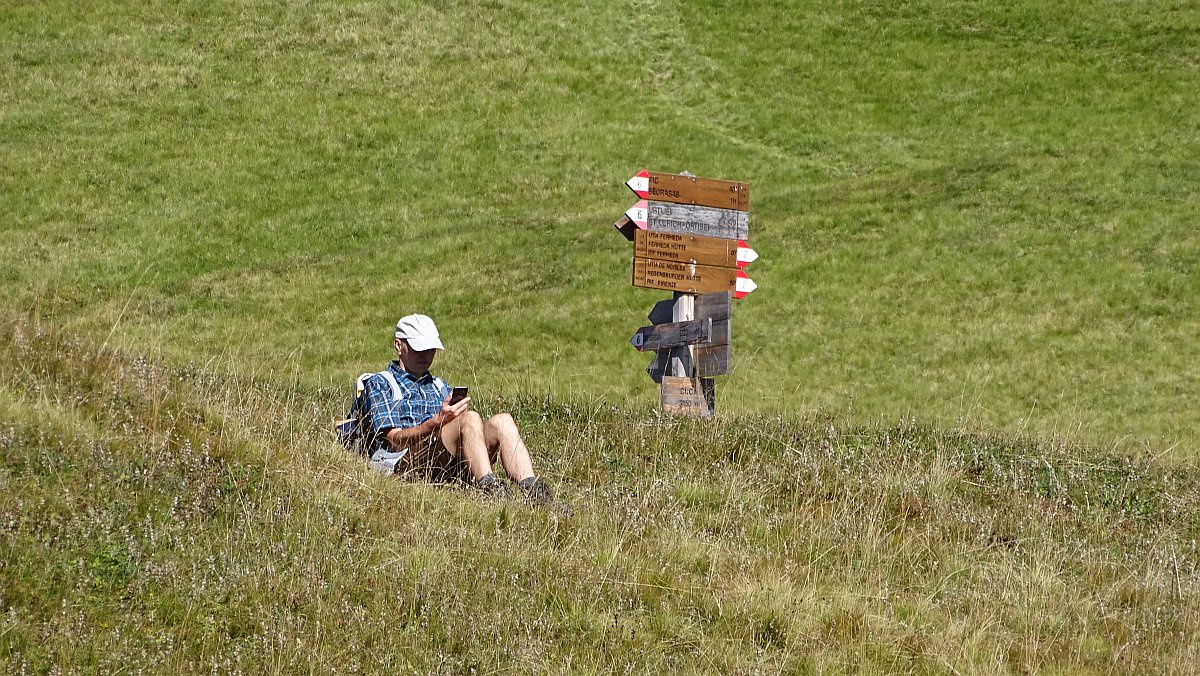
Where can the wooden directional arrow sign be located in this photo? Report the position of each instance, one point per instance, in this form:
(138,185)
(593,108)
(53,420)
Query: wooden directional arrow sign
(651,273)
(669,246)
(626,227)
(714,306)
(708,361)
(686,219)
(675,334)
(681,189)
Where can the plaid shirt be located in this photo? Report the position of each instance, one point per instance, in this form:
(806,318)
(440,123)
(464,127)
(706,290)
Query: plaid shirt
(420,399)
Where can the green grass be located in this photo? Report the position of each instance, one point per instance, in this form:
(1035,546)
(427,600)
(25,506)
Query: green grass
(965,212)
(162,518)
(973,218)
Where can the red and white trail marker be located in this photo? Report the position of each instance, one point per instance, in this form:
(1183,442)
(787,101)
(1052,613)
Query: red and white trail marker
(640,184)
(745,255)
(639,214)
(744,285)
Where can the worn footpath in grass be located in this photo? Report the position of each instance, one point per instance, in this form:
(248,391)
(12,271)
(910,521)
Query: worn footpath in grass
(180,520)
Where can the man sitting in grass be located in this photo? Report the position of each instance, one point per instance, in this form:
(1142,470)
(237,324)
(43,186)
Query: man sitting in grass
(431,437)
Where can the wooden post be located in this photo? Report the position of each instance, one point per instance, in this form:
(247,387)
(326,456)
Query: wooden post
(681,357)
(682,392)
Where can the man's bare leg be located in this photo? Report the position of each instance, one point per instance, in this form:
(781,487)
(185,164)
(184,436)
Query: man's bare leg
(465,439)
(503,439)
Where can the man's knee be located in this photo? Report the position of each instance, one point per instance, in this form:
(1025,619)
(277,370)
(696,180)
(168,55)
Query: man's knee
(469,424)
(502,421)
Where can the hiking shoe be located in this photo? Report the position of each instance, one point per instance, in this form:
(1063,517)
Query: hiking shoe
(490,485)
(538,493)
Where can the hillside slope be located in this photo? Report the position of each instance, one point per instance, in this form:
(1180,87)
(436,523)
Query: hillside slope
(961,430)
(167,520)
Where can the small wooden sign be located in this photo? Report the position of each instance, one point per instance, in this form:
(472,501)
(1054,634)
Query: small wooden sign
(688,396)
(663,312)
(708,360)
(651,273)
(688,219)
(717,306)
(682,189)
(715,360)
(675,334)
(670,246)
(721,333)
(684,277)
(658,366)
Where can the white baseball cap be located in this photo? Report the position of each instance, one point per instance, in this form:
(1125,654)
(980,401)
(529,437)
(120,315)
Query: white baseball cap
(420,332)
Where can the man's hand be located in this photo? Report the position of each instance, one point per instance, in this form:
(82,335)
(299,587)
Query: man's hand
(450,411)
(403,437)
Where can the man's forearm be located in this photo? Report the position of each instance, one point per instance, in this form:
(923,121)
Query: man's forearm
(403,437)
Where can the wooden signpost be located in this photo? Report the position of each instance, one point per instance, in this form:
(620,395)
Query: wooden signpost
(689,236)
(669,246)
(675,334)
(652,273)
(689,219)
(684,189)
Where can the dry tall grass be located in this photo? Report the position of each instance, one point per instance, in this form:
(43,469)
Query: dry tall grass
(166,519)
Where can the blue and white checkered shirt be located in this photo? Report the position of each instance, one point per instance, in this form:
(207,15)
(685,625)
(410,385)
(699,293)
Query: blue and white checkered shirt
(420,399)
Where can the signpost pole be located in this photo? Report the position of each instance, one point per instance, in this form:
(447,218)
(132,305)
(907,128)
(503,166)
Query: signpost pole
(681,357)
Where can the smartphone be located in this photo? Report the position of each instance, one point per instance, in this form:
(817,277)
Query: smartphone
(458,394)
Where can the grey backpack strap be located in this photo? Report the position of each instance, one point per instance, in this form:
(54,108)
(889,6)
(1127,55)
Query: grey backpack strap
(396,394)
(361,384)
(384,459)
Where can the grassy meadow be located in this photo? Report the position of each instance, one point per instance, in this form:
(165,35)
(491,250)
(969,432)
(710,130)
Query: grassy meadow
(961,431)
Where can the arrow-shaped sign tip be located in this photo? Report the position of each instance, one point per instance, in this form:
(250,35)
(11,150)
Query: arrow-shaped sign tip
(626,227)
(640,184)
(638,213)
(744,285)
(745,255)
(638,339)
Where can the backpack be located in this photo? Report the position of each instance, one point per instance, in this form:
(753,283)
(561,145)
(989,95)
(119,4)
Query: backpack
(354,432)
